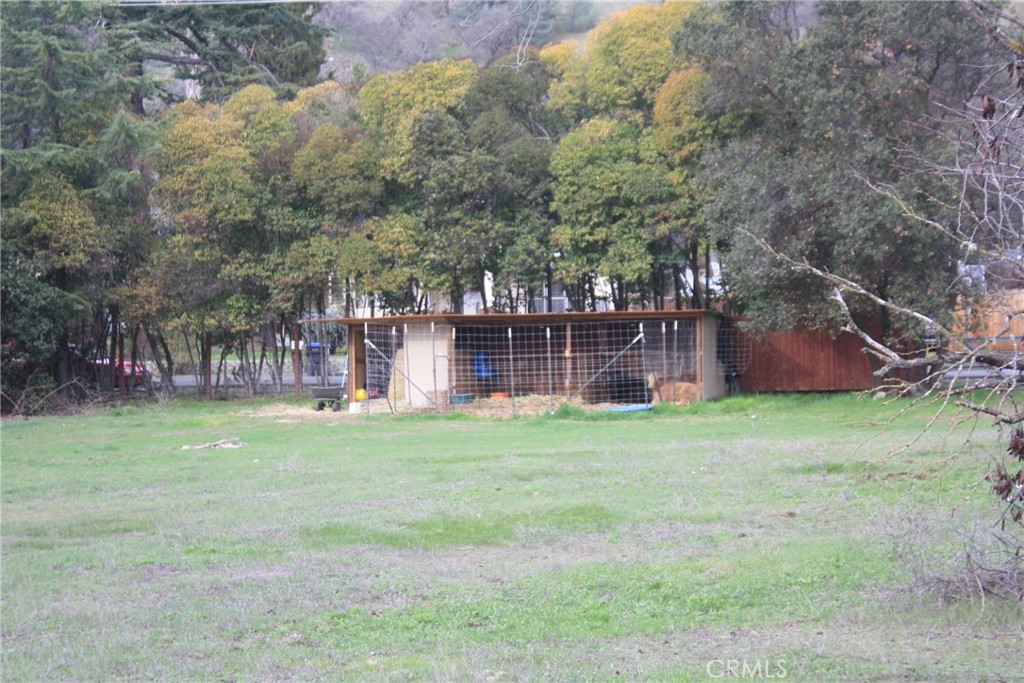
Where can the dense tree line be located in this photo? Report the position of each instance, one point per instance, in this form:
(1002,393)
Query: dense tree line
(677,132)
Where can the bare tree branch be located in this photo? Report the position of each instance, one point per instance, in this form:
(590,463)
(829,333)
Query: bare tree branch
(525,8)
(845,284)
(980,11)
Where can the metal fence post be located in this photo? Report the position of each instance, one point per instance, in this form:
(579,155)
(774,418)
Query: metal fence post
(511,373)
(664,360)
(452,372)
(366,364)
(405,345)
(551,377)
(675,356)
(391,375)
(643,361)
(433,359)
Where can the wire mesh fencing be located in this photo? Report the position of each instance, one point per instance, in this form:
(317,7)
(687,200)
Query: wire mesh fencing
(734,353)
(530,368)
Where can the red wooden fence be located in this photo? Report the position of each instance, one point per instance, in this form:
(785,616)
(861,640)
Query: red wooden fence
(814,361)
(807,361)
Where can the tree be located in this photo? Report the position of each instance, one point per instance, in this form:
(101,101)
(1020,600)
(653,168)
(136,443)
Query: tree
(508,123)
(36,314)
(392,104)
(466,206)
(384,255)
(812,112)
(75,143)
(989,170)
(608,183)
(215,197)
(385,37)
(625,61)
(222,48)
(465,156)
(57,94)
(340,171)
(64,194)
(978,158)
(629,73)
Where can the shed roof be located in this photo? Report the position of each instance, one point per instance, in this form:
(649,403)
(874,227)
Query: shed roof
(519,318)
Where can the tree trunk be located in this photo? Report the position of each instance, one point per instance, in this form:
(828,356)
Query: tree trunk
(297,360)
(225,349)
(117,366)
(137,102)
(208,364)
(620,294)
(136,354)
(62,371)
(657,289)
(677,285)
(482,284)
(244,363)
(162,356)
(695,268)
(263,361)
(197,370)
(550,283)
(707,277)
(106,327)
(456,293)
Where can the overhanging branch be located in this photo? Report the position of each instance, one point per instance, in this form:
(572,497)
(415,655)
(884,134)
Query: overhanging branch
(841,284)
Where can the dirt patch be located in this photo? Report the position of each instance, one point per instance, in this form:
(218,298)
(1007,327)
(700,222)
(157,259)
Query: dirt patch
(832,650)
(522,406)
(503,407)
(287,413)
(499,408)
(508,562)
(525,406)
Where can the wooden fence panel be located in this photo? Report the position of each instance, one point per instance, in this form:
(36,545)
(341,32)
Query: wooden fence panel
(807,361)
(993,329)
(813,361)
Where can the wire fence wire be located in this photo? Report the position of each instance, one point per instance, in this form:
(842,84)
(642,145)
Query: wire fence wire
(528,369)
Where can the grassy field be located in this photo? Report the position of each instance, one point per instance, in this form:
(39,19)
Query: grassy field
(753,537)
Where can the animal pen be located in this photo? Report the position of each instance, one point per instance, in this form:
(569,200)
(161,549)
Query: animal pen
(519,364)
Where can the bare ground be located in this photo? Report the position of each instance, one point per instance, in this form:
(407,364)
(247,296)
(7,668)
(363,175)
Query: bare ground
(524,406)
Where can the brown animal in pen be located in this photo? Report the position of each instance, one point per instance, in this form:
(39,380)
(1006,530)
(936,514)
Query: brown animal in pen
(669,390)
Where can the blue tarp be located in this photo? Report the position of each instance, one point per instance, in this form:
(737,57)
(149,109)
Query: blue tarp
(633,408)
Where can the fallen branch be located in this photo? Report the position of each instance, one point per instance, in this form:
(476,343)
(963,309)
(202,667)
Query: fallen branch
(223,443)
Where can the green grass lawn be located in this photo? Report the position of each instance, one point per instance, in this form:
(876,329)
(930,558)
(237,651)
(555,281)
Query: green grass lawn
(743,538)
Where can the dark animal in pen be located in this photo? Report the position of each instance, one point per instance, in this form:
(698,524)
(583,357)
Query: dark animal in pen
(625,389)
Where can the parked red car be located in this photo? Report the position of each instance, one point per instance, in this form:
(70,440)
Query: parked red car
(135,374)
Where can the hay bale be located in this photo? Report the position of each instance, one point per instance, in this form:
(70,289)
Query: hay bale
(397,392)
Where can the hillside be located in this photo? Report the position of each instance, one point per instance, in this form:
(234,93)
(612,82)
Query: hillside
(387,36)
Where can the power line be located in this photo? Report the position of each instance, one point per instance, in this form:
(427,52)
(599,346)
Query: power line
(183,3)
